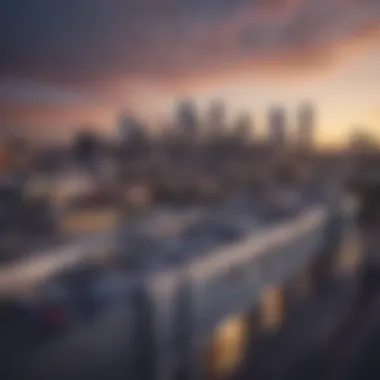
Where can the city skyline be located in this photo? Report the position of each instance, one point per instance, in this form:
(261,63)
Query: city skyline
(145,56)
(279,125)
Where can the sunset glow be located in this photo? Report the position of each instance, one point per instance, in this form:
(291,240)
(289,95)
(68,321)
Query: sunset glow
(143,56)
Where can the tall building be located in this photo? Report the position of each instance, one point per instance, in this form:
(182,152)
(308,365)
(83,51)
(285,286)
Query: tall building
(187,118)
(277,126)
(217,117)
(306,126)
(128,128)
(243,126)
(361,141)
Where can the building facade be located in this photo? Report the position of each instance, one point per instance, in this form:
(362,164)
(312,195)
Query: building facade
(306,126)
(277,127)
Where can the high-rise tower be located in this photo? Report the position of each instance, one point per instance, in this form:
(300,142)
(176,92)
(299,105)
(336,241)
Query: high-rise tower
(277,126)
(306,126)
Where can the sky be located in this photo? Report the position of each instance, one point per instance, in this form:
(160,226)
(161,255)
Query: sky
(67,63)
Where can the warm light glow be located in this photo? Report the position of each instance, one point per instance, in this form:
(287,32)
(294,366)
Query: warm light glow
(272,308)
(349,255)
(89,221)
(227,347)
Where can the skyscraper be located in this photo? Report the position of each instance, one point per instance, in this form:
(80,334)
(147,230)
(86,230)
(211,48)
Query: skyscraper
(187,118)
(243,126)
(128,128)
(306,124)
(217,117)
(277,126)
(361,141)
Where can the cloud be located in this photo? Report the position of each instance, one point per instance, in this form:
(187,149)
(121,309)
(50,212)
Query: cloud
(47,95)
(51,49)
(87,40)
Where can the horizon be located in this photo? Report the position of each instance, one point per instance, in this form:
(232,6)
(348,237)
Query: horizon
(145,56)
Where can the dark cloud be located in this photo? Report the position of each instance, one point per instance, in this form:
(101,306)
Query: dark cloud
(87,41)
(311,24)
